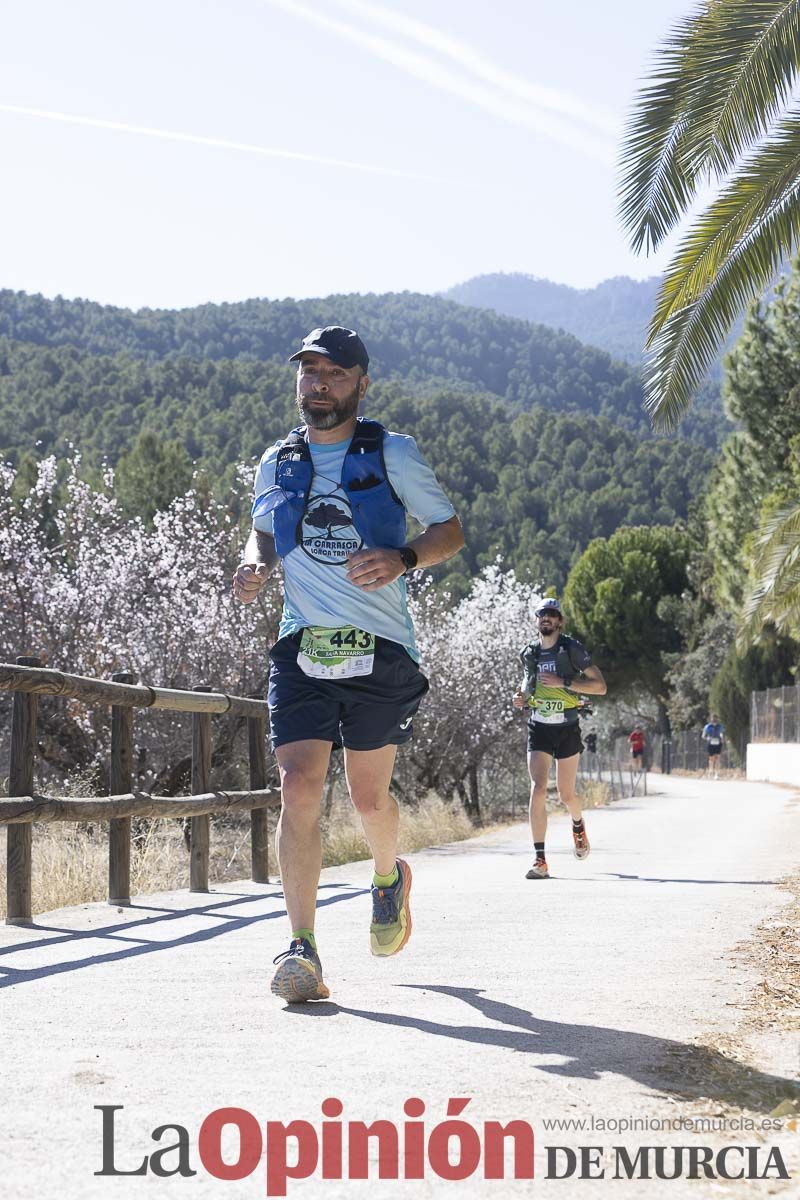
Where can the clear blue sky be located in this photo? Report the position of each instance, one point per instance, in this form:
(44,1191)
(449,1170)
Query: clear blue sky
(438,141)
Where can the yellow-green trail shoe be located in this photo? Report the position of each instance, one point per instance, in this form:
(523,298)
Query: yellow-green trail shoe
(299,974)
(391,913)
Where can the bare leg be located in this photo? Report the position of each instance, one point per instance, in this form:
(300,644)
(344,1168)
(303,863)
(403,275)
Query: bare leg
(303,767)
(539,771)
(566,777)
(369,773)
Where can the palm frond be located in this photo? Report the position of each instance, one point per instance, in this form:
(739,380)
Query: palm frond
(723,75)
(775,599)
(748,59)
(652,192)
(688,339)
(754,192)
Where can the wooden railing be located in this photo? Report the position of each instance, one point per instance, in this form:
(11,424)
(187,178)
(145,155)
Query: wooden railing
(28,680)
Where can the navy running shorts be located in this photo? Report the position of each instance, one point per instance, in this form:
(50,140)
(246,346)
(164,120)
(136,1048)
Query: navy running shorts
(362,713)
(560,741)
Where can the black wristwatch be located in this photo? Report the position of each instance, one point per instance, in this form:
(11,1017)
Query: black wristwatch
(409,558)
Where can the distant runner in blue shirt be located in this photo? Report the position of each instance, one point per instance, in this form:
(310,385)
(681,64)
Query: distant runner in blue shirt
(331,502)
(714,738)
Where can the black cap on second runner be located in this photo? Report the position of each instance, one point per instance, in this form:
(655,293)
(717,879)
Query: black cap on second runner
(340,345)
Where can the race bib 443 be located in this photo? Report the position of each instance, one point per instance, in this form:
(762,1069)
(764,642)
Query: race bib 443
(336,653)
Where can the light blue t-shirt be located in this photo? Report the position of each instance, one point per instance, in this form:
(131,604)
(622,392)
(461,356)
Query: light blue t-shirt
(316,588)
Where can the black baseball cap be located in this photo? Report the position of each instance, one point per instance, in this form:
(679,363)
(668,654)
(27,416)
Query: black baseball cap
(340,345)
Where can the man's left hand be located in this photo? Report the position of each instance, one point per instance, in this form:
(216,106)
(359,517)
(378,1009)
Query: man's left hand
(373,569)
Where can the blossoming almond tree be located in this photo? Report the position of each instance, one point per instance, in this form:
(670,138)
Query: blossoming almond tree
(91,591)
(471,655)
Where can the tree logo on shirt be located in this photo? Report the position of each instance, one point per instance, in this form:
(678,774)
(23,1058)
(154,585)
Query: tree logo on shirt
(329,535)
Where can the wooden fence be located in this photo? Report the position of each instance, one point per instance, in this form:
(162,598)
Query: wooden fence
(28,680)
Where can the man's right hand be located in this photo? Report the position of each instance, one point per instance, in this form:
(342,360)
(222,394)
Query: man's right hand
(249,580)
(520,699)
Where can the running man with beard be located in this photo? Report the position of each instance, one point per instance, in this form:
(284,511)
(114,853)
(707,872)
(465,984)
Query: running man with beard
(331,504)
(557,668)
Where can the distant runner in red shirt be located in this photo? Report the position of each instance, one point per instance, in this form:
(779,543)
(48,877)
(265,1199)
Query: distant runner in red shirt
(636,740)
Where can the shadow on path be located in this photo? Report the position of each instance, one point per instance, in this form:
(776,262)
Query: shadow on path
(732,882)
(660,1064)
(121,932)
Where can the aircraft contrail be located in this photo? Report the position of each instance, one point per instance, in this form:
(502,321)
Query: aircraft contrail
(511,109)
(171,135)
(471,60)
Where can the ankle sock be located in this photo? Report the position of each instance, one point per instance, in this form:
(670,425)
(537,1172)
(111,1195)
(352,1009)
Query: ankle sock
(386,881)
(308,934)
(578,825)
(539,848)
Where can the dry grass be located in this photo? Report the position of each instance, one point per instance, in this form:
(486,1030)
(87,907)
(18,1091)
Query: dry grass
(70,862)
(593,793)
(724,773)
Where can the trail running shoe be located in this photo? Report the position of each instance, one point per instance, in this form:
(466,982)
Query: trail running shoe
(391,914)
(299,974)
(582,847)
(538,870)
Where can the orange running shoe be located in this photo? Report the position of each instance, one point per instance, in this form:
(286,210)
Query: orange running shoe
(538,870)
(582,847)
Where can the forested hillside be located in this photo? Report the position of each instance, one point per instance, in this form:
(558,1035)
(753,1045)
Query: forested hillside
(411,337)
(541,440)
(614,315)
(533,486)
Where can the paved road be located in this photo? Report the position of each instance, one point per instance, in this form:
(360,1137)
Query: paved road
(575,997)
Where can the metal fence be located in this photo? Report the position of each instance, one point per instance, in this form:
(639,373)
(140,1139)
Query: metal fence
(775,715)
(614,772)
(685,750)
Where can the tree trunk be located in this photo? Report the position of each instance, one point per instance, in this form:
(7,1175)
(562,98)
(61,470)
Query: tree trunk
(664,726)
(474,805)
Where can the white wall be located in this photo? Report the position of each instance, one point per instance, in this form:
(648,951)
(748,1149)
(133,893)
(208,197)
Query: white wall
(774,762)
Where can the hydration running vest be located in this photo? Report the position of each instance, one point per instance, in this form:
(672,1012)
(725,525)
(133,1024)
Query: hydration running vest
(378,513)
(564,665)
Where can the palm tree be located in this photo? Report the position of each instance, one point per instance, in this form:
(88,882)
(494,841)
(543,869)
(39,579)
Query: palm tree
(717,111)
(775,599)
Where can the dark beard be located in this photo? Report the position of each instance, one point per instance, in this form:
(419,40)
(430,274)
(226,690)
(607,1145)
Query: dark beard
(340,412)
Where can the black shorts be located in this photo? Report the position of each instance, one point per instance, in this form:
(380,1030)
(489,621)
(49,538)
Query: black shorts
(713,751)
(362,713)
(560,741)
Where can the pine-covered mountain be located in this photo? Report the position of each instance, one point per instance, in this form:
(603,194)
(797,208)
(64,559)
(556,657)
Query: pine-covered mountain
(614,315)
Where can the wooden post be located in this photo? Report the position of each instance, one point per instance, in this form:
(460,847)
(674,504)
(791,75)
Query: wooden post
(120,783)
(259,824)
(20,783)
(201,774)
